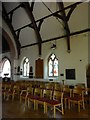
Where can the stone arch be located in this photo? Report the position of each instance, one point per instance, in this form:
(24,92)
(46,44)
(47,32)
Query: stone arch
(10,43)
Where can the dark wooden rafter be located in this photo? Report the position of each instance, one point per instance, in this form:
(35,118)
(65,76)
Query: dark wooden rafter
(72,7)
(28,10)
(59,37)
(7,20)
(32,5)
(18,33)
(66,27)
(10,18)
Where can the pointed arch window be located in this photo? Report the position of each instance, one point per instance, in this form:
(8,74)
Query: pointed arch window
(26,67)
(52,66)
(6,68)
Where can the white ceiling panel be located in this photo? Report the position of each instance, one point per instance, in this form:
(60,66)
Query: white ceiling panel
(20,18)
(27,36)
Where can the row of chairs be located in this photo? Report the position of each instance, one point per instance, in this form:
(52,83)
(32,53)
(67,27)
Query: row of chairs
(49,97)
(46,96)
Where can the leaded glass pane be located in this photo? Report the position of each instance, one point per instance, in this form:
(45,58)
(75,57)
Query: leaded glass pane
(55,67)
(26,67)
(50,68)
(52,56)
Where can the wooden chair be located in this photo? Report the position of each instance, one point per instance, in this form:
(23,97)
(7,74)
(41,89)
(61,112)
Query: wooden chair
(56,102)
(49,86)
(5,88)
(24,93)
(67,94)
(87,95)
(13,91)
(34,98)
(58,87)
(77,98)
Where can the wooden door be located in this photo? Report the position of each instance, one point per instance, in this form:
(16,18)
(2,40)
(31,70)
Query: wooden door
(39,68)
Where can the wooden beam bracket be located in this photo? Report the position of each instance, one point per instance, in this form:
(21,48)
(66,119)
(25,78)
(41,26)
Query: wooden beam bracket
(40,23)
(18,33)
(11,15)
(70,12)
(59,16)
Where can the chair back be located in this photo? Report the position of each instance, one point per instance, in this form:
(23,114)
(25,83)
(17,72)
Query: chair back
(30,90)
(78,92)
(37,92)
(57,95)
(47,93)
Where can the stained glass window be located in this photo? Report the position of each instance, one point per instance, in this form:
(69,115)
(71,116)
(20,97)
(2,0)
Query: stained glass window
(52,66)
(26,67)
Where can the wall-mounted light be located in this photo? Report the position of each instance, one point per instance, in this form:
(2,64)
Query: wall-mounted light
(53,46)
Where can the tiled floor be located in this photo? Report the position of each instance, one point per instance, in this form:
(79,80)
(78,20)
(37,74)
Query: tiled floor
(16,110)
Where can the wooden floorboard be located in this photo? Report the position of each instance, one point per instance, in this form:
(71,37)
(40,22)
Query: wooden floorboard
(16,110)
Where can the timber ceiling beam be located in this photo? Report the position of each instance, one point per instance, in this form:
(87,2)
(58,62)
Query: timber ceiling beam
(28,10)
(66,27)
(59,37)
(55,14)
(32,5)
(7,20)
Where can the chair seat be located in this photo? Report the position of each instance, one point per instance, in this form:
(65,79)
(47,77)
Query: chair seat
(53,102)
(33,97)
(42,99)
(23,95)
(10,92)
(88,96)
(76,98)
(66,96)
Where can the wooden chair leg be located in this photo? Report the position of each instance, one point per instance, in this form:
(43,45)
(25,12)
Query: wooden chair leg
(78,106)
(12,97)
(54,112)
(44,107)
(68,104)
(4,96)
(20,99)
(25,101)
(83,104)
(28,103)
(62,110)
(34,104)
(65,102)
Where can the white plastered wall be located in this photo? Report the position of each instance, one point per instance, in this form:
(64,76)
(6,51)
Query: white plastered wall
(77,59)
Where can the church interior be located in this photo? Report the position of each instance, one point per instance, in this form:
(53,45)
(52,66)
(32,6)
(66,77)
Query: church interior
(44,59)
